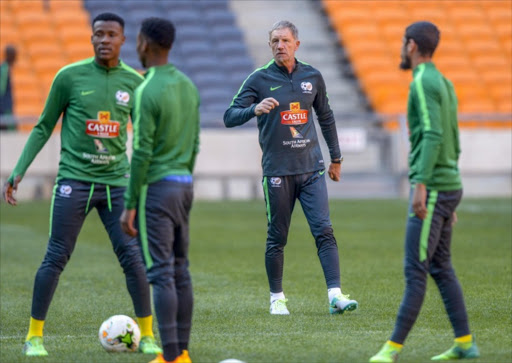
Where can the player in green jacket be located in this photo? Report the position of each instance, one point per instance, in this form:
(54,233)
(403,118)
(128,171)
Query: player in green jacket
(435,193)
(165,145)
(94,97)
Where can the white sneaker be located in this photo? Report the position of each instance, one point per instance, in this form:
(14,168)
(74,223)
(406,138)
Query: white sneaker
(341,303)
(278,307)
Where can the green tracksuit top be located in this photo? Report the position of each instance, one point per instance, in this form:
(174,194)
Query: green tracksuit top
(433,130)
(95,102)
(165,129)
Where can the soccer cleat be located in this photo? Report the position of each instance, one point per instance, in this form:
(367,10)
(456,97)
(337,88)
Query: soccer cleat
(341,303)
(457,352)
(278,307)
(182,358)
(34,347)
(148,345)
(387,354)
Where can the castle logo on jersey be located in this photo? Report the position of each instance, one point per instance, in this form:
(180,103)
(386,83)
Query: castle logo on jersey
(295,133)
(122,98)
(294,116)
(307,87)
(103,127)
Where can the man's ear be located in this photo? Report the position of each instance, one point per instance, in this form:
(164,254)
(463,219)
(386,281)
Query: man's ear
(411,46)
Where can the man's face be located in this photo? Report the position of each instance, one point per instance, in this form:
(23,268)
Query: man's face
(107,39)
(405,64)
(284,46)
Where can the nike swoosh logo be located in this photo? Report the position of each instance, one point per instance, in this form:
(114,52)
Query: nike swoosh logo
(321,172)
(274,88)
(85,93)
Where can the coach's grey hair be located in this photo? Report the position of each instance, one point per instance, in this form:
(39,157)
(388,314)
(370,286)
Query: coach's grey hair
(284,24)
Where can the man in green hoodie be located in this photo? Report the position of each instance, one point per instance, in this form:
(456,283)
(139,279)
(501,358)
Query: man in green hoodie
(94,97)
(436,190)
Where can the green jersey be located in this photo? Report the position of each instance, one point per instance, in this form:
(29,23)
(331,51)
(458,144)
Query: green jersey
(95,103)
(433,130)
(165,129)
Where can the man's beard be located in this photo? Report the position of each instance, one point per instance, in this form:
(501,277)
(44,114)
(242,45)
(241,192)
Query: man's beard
(405,64)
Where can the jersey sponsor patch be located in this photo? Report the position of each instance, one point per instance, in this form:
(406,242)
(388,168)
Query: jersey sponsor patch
(295,133)
(103,127)
(294,116)
(307,87)
(100,147)
(122,98)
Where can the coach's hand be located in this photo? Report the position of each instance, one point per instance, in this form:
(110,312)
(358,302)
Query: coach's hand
(127,219)
(265,106)
(419,199)
(10,189)
(334,171)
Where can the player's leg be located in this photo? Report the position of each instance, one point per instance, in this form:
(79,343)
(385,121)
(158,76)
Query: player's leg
(182,278)
(67,213)
(442,272)
(315,204)
(280,199)
(421,239)
(161,211)
(109,203)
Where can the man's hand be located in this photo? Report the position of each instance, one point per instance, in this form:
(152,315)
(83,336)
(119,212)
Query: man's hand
(455,219)
(9,190)
(265,106)
(126,220)
(334,171)
(419,200)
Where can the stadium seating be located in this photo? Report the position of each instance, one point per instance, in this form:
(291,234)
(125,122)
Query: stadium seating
(474,52)
(49,34)
(46,36)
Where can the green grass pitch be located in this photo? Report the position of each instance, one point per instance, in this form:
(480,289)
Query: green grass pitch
(231,318)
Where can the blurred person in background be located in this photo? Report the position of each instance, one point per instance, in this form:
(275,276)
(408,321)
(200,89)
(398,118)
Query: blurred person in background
(436,190)
(281,95)
(8,121)
(165,145)
(95,97)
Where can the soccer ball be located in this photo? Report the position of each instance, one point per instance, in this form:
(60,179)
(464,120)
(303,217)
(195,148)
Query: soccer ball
(119,333)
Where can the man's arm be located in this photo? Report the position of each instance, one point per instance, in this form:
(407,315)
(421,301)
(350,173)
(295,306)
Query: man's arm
(143,138)
(55,105)
(243,107)
(328,127)
(428,103)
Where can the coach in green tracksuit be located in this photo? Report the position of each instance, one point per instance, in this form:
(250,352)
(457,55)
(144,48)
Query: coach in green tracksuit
(94,97)
(165,145)
(436,190)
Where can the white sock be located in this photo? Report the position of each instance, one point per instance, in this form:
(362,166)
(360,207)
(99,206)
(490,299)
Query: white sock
(335,291)
(276,296)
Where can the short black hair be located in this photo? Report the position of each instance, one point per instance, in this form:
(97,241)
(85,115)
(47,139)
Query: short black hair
(159,31)
(425,35)
(108,17)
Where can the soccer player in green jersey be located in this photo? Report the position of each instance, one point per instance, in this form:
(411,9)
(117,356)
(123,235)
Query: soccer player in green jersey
(94,97)
(436,190)
(160,192)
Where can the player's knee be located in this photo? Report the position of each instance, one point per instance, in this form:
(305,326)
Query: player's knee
(324,237)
